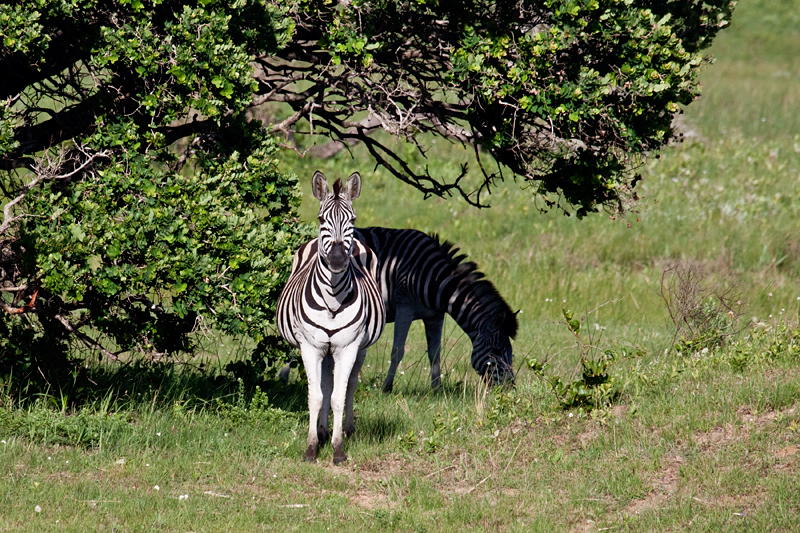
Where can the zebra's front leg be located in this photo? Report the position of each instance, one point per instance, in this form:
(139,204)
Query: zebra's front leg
(352,385)
(327,390)
(312,361)
(402,323)
(433,333)
(343,366)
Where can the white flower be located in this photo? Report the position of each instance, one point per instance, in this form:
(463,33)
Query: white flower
(570,415)
(3,441)
(159,433)
(37,509)
(157,487)
(183,497)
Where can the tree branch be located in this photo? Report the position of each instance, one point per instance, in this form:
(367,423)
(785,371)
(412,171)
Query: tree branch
(85,338)
(19,310)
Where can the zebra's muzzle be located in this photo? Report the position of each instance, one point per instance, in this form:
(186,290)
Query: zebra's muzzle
(338,257)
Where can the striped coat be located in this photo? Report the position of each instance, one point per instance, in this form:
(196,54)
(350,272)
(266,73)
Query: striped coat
(422,278)
(331,308)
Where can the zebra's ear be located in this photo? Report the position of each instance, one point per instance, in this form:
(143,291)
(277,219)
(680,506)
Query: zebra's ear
(353,187)
(319,186)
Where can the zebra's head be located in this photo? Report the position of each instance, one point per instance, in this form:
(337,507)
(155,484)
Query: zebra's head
(492,358)
(492,354)
(336,219)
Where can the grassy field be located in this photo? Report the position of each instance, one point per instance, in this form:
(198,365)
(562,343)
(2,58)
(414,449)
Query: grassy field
(706,438)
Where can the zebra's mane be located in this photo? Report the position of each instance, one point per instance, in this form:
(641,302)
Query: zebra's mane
(337,187)
(482,289)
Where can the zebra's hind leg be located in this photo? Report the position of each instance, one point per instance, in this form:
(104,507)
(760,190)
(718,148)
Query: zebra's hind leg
(433,333)
(327,389)
(402,323)
(283,373)
(352,385)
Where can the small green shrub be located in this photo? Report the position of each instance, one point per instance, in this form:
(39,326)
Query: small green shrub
(595,386)
(408,441)
(255,410)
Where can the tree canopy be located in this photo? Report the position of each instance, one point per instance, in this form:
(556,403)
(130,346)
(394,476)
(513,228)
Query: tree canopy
(141,202)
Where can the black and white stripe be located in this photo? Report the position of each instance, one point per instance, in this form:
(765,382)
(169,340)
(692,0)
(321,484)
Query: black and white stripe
(331,308)
(422,278)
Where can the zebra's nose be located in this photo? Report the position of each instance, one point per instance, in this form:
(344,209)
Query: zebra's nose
(337,257)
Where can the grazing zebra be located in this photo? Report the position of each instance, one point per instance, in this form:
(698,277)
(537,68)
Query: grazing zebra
(331,308)
(422,278)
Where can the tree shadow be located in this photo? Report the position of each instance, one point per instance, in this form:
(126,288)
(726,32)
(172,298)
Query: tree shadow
(165,383)
(378,427)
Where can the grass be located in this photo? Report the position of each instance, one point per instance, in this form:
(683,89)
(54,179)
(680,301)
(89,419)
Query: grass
(695,440)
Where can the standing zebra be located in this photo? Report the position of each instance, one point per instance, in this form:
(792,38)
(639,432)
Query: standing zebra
(331,309)
(422,278)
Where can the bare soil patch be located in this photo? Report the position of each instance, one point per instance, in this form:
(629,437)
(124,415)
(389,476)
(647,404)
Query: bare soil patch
(664,483)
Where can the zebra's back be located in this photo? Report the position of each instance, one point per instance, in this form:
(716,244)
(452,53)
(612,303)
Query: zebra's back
(415,268)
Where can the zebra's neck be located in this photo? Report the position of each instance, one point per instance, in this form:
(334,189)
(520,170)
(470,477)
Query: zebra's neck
(469,312)
(334,287)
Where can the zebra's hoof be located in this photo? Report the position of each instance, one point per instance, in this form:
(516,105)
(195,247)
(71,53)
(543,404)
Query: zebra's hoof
(388,386)
(349,431)
(311,454)
(339,457)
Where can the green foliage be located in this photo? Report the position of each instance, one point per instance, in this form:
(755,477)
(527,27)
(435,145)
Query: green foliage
(507,406)
(712,327)
(408,441)
(253,410)
(763,345)
(167,249)
(596,386)
(567,94)
(132,243)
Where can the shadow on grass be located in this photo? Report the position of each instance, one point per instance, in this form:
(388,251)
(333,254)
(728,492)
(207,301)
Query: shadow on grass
(164,384)
(378,427)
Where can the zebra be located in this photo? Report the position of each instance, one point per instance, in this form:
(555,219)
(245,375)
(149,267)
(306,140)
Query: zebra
(331,309)
(423,278)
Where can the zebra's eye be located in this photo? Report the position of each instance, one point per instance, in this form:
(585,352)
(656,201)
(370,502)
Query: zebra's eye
(321,220)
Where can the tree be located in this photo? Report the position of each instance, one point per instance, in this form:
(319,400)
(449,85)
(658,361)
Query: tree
(565,95)
(142,204)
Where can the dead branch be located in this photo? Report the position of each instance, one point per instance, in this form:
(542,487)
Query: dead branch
(19,310)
